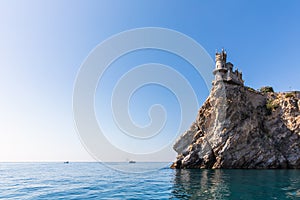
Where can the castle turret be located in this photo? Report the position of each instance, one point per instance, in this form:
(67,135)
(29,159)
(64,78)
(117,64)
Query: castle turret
(221,59)
(220,70)
(229,66)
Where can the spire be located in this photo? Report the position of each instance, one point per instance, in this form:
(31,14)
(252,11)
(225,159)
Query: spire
(221,56)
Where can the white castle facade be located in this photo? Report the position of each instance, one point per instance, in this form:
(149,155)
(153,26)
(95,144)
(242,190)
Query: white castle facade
(224,70)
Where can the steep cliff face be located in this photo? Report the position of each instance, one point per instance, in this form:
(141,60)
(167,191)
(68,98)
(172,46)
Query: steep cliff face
(238,127)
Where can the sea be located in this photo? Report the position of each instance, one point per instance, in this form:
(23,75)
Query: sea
(127,181)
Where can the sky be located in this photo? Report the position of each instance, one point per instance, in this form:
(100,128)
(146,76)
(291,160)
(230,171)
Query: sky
(43,44)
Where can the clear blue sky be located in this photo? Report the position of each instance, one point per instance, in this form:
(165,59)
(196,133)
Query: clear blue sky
(43,44)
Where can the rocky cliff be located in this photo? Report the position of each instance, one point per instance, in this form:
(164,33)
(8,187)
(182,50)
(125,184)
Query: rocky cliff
(238,127)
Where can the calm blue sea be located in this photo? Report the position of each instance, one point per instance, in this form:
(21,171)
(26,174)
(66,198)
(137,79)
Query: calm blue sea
(97,181)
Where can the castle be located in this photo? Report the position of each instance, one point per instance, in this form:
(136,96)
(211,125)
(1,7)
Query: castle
(224,70)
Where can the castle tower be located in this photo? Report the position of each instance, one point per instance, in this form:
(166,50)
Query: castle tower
(220,70)
(221,59)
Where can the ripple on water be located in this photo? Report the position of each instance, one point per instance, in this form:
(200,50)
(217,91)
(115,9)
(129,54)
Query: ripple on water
(94,181)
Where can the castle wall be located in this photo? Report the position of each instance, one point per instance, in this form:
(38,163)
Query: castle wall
(218,76)
(235,77)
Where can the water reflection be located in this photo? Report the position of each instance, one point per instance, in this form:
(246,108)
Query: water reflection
(236,184)
(194,184)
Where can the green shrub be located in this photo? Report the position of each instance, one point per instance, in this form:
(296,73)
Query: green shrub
(290,94)
(271,105)
(266,89)
(251,89)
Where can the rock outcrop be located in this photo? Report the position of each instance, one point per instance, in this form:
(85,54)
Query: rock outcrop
(238,127)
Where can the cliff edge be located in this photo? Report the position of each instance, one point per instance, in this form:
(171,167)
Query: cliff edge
(238,127)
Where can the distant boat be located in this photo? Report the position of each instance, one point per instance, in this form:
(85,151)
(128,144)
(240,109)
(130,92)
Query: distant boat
(132,161)
(66,162)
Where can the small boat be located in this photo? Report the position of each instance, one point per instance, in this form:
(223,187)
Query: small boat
(132,161)
(66,162)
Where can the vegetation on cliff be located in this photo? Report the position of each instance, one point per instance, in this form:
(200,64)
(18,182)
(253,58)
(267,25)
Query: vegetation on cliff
(238,127)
